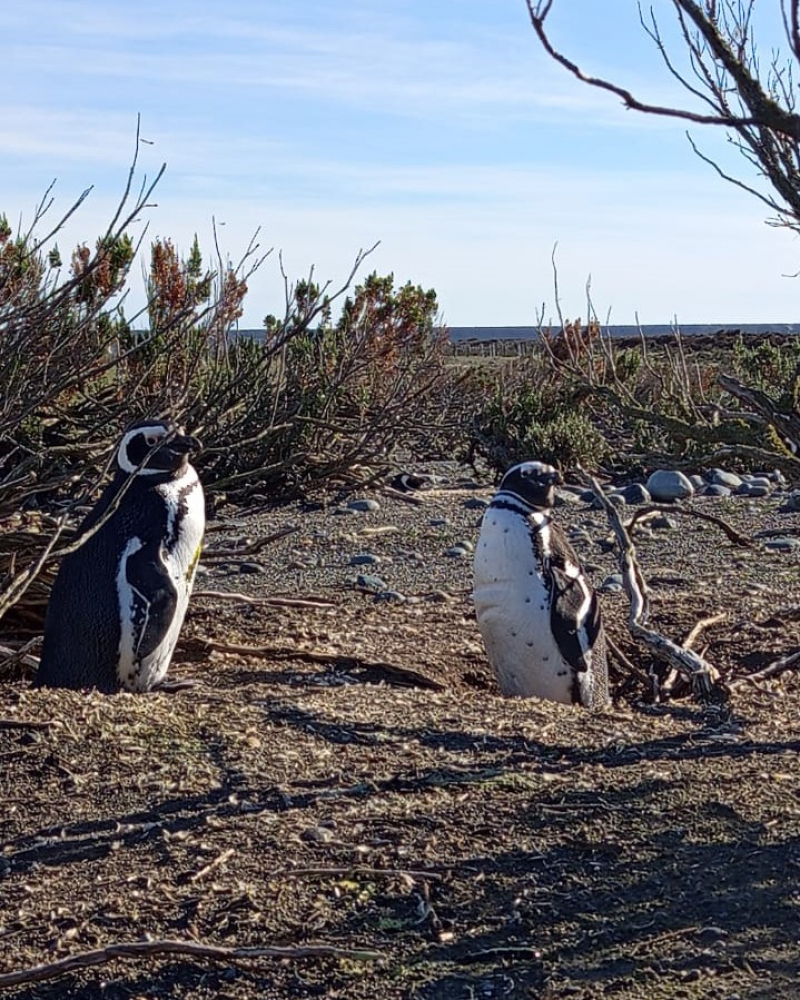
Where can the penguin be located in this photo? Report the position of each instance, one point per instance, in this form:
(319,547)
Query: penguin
(119,599)
(537,612)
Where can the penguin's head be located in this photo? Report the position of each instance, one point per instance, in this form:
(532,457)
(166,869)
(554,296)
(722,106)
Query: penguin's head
(154,448)
(533,483)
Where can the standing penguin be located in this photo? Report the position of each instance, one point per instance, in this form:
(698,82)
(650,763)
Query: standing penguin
(536,609)
(119,600)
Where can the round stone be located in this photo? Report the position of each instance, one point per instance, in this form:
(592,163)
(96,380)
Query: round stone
(366,505)
(669,484)
(719,477)
(633,493)
(364,559)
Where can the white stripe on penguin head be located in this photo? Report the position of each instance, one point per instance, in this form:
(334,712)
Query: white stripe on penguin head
(156,431)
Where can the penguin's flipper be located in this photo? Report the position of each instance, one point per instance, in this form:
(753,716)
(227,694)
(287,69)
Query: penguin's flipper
(155,600)
(575,612)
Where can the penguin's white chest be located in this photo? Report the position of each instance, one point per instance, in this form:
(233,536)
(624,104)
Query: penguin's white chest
(512,605)
(178,555)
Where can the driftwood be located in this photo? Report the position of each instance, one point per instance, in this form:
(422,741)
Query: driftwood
(274,602)
(192,949)
(788,662)
(698,671)
(646,513)
(250,549)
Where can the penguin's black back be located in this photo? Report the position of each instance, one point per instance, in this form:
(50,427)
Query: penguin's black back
(82,626)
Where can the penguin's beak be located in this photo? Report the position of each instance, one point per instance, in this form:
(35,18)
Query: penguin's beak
(553,478)
(184,444)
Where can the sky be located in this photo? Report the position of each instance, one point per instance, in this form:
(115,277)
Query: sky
(438,128)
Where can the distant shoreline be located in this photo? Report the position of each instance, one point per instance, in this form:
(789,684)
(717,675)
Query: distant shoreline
(459,334)
(481,333)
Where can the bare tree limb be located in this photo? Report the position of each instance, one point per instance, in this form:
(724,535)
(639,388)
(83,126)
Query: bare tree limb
(192,949)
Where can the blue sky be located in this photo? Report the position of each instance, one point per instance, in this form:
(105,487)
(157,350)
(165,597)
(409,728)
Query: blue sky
(438,127)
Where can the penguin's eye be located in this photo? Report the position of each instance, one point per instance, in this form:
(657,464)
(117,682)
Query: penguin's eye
(151,440)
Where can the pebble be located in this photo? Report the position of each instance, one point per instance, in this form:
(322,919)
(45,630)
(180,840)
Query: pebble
(317,834)
(365,559)
(755,488)
(663,523)
(616,499)
(456,552)
(251,567)
(566,498)
(716,490)
(782,544)
(391,596)
(438,522)
(366,504)
(612,584)
(697,481)
(634,493)
(719,477)
(476,503)
(792,502)
(669,484)
(369,581)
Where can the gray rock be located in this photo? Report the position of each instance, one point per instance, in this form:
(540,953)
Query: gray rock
(669,484)
(716,490)
(438,522)
(634,493)
(783,544)
(663,523)
(364,559)
(616,499)
(369,581)
(456,552)
(612,584)
(719,477)
(754,488)
(476,503)
(366,504)
(791,503)
(317,834)
(697,481)
(391,596)
(566,498)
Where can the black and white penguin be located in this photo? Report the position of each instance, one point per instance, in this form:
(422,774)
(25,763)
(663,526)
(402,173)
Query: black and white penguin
(119,600)
(537,612)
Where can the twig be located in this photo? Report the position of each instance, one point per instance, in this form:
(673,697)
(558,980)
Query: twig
(219,860)
(732,533)
(412,498)
(628,664)
(224,555)
(20,655)
(772,670)
(215,953)
(370,872)
(704,623)
(277,602)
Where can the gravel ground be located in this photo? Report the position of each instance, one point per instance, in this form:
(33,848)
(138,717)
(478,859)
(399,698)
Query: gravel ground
(344,775)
